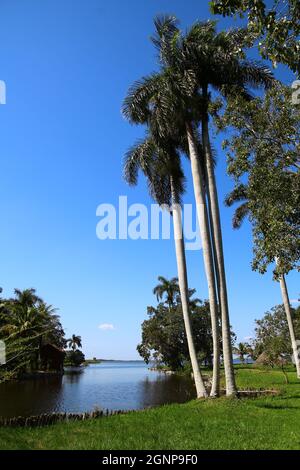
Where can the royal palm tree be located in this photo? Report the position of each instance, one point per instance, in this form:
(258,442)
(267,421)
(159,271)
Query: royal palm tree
(74,342)
(217,61)
(26,297)
(242,350)
(241,194)
(179,95)
(162,168)
(168,289)
(161,102)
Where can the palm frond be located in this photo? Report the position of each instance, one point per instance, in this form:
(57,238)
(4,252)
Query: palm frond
(256,74)
(239,193)
(165,26)
(158,162)
(135,107)
(240,214)
(138,157)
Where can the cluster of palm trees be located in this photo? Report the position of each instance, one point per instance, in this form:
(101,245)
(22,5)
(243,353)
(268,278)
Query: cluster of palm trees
(27,314)
(26,323)
(175,104)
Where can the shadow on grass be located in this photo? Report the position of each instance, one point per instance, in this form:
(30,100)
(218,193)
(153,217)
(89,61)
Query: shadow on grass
(290,397)
(273,406)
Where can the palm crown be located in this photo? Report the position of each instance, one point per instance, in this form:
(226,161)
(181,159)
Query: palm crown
(74,342)
(167,288)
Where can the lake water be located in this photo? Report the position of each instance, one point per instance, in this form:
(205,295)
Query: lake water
(108,385)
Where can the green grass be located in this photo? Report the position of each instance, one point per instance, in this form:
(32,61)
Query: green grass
(271,422)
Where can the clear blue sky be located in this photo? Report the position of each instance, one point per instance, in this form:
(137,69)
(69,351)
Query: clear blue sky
(67,66)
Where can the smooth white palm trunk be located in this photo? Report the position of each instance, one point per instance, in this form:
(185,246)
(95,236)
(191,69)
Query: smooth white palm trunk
(183,287)
(287,308)
(199,190)
(219,260)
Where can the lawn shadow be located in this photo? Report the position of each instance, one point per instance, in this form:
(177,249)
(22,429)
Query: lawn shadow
(273,406)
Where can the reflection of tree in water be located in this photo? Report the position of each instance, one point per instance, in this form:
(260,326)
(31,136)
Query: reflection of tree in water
(166,389)
(30,397)
(73,376)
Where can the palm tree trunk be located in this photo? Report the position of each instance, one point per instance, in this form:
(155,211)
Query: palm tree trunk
(287,308)
(199,189)
(214,251)
(183,287)
(216,230)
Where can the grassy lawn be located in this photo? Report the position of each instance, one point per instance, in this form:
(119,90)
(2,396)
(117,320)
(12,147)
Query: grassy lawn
(271,422)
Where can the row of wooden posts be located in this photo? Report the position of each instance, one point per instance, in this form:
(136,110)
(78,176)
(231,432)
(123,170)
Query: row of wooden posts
(53,418)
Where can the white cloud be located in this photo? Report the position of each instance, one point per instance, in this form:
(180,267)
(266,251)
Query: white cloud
(106,326)
(294,301)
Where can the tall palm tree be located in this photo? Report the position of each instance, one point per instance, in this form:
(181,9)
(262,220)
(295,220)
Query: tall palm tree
(215,60)
(179,95)
(166,288)
(242,350)
(164,104)
(74,342)
(166,183)
(25,313)
(26,297)
(240,194)
(22,321)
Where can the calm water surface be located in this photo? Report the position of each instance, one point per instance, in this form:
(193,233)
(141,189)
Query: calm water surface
(109,385)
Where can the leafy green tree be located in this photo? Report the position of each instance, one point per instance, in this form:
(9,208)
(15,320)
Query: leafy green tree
(164,338)
(273,336)
(74,358)
(264,148)
(240,194)
(275,25)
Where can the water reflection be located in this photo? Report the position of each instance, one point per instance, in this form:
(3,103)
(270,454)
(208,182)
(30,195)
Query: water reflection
(166,389)
(106,385)
(30,397)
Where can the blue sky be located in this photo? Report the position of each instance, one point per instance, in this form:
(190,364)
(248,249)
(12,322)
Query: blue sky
(67,66)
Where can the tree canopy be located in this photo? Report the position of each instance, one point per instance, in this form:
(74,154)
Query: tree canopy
(163,334)
(164,338)
(272,335)
(263,158)
(275,25)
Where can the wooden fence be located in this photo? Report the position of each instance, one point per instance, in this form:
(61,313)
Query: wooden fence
(53,418)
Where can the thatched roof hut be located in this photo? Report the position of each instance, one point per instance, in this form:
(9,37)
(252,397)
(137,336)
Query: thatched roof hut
(262,360)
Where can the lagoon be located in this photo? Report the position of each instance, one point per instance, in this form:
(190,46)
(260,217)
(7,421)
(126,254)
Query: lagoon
(108,385)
